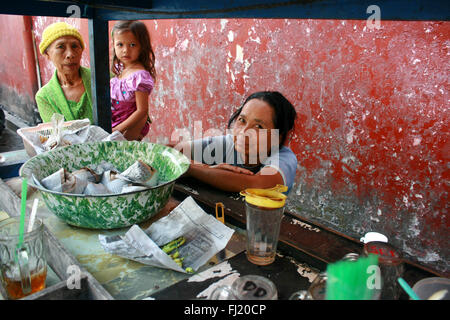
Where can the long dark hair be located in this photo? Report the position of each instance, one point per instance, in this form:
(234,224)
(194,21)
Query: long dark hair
(285,113)
(147,56)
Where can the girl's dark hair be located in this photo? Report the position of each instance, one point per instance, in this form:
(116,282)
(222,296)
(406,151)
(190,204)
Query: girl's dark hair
(285,113)
(147,56)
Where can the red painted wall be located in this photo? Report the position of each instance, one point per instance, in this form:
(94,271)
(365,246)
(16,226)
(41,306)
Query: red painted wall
(18,82)
(372,132)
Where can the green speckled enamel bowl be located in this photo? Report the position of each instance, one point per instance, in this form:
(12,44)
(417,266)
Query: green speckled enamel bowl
(107,211)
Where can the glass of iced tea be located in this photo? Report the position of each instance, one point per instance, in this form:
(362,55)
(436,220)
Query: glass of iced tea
(23,270)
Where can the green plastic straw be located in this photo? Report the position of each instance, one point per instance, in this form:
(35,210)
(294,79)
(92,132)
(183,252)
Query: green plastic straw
(23,209)
(408,289)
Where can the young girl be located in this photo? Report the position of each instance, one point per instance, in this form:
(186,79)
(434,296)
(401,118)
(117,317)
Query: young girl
(134,68)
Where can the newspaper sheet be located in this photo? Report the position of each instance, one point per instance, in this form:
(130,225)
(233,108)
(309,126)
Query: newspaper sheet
(79,132)
(205,236)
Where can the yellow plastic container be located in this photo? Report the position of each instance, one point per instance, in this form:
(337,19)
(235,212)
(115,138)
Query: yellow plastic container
(267,198)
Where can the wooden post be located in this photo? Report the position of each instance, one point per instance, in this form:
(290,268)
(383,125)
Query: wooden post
(99,58)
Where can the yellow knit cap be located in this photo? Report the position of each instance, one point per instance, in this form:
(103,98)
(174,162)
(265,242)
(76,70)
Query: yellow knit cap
(57,30)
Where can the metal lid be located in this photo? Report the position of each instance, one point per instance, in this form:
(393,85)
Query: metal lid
(387,254)
(351,257)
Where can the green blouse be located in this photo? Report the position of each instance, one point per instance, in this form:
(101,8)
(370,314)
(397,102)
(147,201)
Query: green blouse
(50,99)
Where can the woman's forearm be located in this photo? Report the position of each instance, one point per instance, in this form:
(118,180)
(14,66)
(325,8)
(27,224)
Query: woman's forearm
(221,179)
(231,181)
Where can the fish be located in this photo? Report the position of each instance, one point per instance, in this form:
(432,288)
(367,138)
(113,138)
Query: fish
(54,181)
(101,179)
(102,167)
(64,181)
(87,174)
(114,184)
(140,173)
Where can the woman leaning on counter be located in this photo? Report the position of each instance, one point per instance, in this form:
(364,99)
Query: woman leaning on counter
(69,90)
(253,154)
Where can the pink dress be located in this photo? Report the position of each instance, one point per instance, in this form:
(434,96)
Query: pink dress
(123,99)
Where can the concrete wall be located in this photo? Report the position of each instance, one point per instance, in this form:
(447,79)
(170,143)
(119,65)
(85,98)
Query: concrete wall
(372,132)
(18,82)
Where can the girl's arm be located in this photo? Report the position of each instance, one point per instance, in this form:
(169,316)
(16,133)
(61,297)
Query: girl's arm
(233,181)
(135,132)
(136,121)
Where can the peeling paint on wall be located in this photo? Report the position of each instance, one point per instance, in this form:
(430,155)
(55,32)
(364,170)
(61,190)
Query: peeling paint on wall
(18,81)
(372,133)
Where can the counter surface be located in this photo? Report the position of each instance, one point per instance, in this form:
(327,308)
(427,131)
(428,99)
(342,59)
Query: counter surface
(304,251)
(129,280)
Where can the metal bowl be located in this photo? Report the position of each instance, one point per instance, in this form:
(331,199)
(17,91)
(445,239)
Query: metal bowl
(107,211)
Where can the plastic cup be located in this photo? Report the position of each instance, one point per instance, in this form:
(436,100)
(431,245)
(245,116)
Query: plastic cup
(264,210)
(263,230)
(425,288)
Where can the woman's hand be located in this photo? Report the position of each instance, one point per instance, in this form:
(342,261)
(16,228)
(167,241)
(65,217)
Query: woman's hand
(223,166)
(232,178)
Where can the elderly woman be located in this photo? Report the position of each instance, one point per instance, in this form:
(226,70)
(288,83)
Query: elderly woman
(69,90)
(253,154)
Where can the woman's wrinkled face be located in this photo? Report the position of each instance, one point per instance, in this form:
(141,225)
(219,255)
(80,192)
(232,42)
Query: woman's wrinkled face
(254,131)
(65,54)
